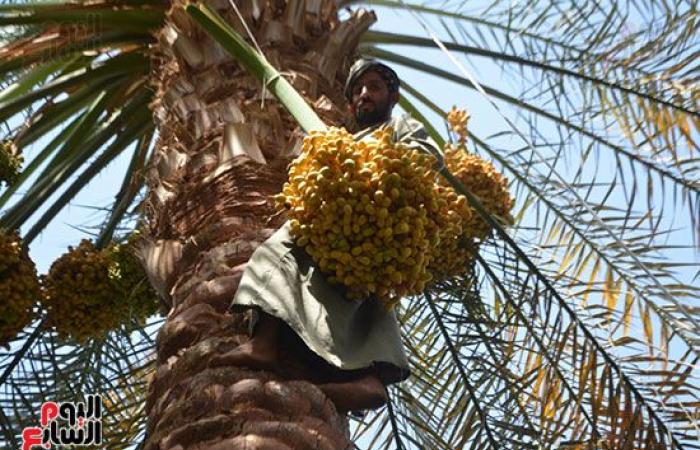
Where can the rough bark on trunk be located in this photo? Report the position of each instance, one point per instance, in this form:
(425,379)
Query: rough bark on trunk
(221,155)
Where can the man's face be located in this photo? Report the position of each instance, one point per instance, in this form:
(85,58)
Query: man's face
(371,102)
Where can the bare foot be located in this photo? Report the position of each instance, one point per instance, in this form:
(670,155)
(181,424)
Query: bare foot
(252,354)
(366,392)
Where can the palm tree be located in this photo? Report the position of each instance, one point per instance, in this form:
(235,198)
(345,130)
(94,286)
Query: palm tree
(575,329)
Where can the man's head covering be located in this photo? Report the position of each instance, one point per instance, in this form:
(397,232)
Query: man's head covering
(362,65)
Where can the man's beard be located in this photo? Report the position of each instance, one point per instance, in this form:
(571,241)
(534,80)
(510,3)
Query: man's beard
(372,117)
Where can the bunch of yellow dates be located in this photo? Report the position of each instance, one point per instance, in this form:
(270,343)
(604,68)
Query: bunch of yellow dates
(90,291)
(374,215)
(11,160)
(19,286)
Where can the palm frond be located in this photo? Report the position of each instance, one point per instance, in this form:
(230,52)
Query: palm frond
(81,64)
(582,232)
(116,368)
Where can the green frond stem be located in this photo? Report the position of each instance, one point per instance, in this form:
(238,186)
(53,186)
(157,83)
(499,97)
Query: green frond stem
(414,64)
(257,65)
(426,101)
(394,424)
(140,124)
(463,374)
(532,267)
(379,37)
(132,183)
(415,113)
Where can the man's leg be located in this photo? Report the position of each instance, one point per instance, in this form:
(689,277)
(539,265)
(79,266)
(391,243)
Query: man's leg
(349,390)
(356,392)
(260,352)
(364,392)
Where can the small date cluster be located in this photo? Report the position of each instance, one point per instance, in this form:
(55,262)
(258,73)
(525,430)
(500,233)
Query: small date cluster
(90,291)
(86,293)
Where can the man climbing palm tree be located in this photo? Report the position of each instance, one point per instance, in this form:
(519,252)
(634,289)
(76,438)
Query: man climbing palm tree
(356,346)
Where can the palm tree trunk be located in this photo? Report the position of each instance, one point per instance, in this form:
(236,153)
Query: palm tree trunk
(221,155)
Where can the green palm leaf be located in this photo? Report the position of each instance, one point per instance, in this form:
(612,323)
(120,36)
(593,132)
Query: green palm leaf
(68,62)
